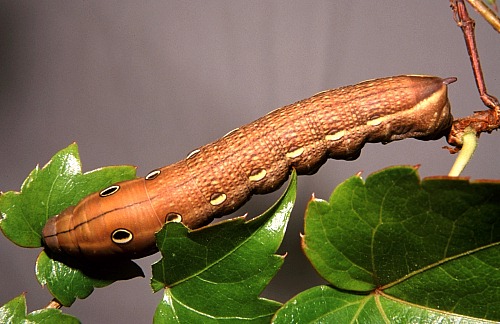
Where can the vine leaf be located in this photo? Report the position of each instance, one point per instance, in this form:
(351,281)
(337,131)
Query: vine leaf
(217,273)
(398,247)
(68,281)
(46,192)
(325,304)
(15,312)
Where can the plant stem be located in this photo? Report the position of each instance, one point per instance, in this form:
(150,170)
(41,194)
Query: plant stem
(486,12)
(469,146)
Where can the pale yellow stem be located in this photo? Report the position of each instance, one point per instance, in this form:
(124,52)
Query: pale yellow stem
(469,141)
(486,12)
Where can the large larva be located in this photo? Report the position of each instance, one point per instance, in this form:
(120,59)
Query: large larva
(216,179)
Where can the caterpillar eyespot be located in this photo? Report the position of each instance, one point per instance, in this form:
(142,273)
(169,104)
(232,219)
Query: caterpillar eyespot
(335,137)
(122,236)
(109,191)
(375,122)
(219,177)
(152,175)
(173,217)
(294,153)
(230,132)
(192,153)
(257,175)
(217,198)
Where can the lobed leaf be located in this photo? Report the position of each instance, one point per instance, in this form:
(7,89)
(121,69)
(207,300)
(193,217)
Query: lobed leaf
(15,312)
(68,282)
(46,192)
(432,244)
(217,273)
(325,304)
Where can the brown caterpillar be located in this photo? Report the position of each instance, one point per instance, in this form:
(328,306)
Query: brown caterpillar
(216,179)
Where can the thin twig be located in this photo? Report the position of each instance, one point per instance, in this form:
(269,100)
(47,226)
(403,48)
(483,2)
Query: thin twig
(480,121)
(467,24)
(485,11)
(484,121)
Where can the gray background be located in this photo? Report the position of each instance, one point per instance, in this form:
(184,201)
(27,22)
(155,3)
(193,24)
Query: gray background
(144,83)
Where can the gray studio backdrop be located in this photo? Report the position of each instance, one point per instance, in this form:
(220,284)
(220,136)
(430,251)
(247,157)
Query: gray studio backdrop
(144,83)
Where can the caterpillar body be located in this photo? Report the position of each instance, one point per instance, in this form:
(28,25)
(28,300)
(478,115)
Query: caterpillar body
(216,179)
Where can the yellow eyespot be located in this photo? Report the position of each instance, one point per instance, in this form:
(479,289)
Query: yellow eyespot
(121,236)
(173,217)
(217,198)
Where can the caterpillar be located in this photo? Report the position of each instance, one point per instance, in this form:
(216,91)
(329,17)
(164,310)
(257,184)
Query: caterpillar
(216,179)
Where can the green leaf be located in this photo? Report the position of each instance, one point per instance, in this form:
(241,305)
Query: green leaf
(217,273)
(15,312)
(66,283)
(433,243)
(327,305)
(47,191)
